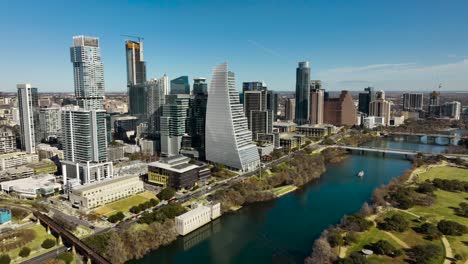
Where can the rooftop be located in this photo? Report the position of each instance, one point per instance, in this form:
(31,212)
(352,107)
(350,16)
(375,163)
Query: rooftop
(284,124)
(103,183)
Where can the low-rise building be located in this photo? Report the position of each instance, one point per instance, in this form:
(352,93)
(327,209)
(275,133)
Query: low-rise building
(31,187)
(289,141)
(46,151)
(16,173)
(105,191)
(320,130)
(148,147)
(372,122)
(16,159)
(7,140)
(265,149)
(176,172)
(397,121)
(115,153)
(132,167)
(196,218)
(285,127)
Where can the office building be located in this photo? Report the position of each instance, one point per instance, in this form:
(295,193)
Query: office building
(302,93)
(85,145)
(253,86)
(316,130)
(365,99)
(290,109)
(259,118)
(106,191)
(157,89)
(180,85)
(50,124)
(88,72)
(46,151)
(340,111)
(125,127)
(197,117)
(288,141)
(413,101)
(176,172)
(316,105)
(381,108)
(228,139)
(196,218)
(173,123)
(451,110)
(434,104)
(7,140)
(136,78)
(16,159)
(29,119)
(272,104)
(285,127)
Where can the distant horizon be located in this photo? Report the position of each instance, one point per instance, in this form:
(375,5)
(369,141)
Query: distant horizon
(392,45)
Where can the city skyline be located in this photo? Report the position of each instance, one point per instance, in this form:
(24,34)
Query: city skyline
(359,44)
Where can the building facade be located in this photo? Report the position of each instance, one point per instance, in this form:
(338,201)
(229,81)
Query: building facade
(136,78)
(340,111)
(196,218)
(290,109)
(50,123)
(157,89)
(451,110)
(197,117)
(381,108)
(302,93)
(413,101)
(228,139)
(176,172)
(88,72)
(365,99)
(180,85)
(316,105)
(29,118)
(7,140)
(173,123)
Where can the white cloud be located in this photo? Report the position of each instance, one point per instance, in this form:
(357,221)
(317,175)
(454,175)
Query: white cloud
(401,76)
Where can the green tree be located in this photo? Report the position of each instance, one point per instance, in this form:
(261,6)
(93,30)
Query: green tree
(451,228)
(394,223)
(166,193)
(430,230)
(382,247)
(117,217)
(423,254)
(335,238)
(173,210)
(48,243)
(5,259)
(67,257)
(24,252)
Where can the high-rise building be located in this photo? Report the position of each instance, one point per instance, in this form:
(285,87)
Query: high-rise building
(136,78)
(173,123)
(272,103)
(290,109)
(197,116)
(88,72)
(157,89)
(302,93)
(84,145)
(50,124)
(381,107)
(7,140)
(413,101)
(340,111)
(180,85)
(259,116)
(451,110)
(316,105)
(365,99)
(228,139)
(29,119)
(434,104)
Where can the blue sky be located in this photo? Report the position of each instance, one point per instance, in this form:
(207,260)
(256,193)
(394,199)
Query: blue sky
(392,45)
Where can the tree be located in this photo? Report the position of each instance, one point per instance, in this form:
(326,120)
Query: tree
(321,253)
(116,252)
(355,223)
(48,243)
(173,210)
(451,228)
(430,230)
(423,254)
(382,247)
(334,238)
(67,257)
(117,217)
(166,193)
(394,223)
(24,252)
(426,187)
(5,259)
(350,238)
(354,258)
(366,210)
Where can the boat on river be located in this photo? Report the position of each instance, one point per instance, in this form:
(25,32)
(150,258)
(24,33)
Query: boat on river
(360,173)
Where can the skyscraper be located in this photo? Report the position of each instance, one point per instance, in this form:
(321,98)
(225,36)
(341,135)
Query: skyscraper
(50,124)
(180,85)
(136,78)
(29,117)
(85,145)
(451,110)
(413,101)
(434,104)
(380,107)
(340,111)
(272,103)
(173,123)
(302,93)
(197,116)
(228,139)
(290,109)
(257,107)
(365,99)
(316,105)
(157,89)
(88,72)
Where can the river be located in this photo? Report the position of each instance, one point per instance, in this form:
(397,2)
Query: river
(283,230)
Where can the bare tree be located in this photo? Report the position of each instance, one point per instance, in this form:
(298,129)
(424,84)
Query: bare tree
(321,252)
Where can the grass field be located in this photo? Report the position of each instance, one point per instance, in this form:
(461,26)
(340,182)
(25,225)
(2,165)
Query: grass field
(280,191)
(124,205)
(35,244)
(445,172)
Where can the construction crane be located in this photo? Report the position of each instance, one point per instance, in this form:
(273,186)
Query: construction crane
(135,37)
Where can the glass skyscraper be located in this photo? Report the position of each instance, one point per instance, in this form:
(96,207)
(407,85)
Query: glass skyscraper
(302,93)
(88,72)
(136,78)
(180,85)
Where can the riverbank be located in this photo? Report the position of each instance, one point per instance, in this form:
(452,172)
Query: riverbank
(407,222)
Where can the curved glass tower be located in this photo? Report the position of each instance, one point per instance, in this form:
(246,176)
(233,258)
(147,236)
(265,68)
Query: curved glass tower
(228,139)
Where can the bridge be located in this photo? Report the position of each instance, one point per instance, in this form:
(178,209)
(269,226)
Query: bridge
(426,135)
(91,255)
(399,151)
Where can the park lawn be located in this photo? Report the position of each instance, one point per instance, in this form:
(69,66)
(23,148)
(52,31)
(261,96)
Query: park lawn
(370,236)
(410,237)
(35,244)
(445,172)
(282,190)
(123,205)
